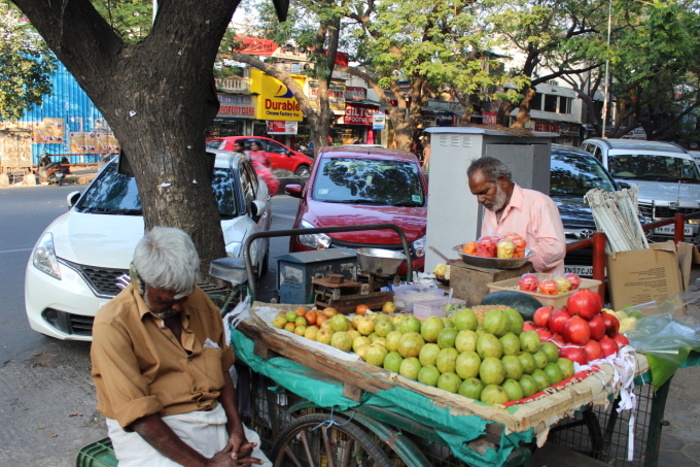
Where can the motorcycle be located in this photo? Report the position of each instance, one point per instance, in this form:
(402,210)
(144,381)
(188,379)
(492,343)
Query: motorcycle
(52,172)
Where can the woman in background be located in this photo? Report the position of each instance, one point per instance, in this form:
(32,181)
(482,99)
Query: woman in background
(261,164)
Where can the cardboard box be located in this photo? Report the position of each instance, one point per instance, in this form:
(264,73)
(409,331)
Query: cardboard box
(470,283)
(657,273)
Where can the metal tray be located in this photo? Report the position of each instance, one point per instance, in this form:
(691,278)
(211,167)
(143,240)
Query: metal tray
(494,263)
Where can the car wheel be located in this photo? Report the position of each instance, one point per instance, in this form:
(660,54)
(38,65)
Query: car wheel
(303,171)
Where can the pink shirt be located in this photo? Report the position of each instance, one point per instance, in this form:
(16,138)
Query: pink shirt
(535,217)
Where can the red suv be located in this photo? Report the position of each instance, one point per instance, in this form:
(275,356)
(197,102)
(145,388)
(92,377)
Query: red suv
(352,185)
(280,156)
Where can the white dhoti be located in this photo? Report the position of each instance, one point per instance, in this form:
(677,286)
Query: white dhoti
(203,431)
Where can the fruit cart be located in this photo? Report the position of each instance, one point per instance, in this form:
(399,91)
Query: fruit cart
(315,406)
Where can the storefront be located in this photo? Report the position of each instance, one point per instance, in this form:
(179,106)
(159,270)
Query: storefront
(235,117)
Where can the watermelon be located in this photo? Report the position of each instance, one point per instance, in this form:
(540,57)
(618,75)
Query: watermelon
(525,304)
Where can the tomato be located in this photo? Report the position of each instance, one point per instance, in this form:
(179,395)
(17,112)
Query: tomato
(545,334)
(574,280)
(593,350)
(576,330)
(557,320)
(529,326)
(612,325)
(585,303)
(361,309)
(574,353)
(548,287)
(621,339)
(608,346)
(486,247)
(528,282)
(597,325)
(542,315)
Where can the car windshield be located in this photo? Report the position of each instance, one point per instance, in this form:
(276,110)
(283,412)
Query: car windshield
(653,167)
(368,181)
(575,174)
(115,193)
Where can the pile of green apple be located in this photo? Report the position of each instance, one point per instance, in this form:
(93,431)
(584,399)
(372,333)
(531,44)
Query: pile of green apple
(494,361)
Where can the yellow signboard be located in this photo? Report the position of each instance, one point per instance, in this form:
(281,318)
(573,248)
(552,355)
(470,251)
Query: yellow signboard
(275,100)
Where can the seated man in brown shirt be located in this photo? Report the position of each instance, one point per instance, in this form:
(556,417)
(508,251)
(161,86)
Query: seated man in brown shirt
(160,365)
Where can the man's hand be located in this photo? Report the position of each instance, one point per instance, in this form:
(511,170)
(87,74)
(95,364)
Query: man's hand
(228,458)
(241,448)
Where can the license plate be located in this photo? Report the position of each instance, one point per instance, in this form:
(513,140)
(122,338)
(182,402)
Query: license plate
(669,229)
(585,271)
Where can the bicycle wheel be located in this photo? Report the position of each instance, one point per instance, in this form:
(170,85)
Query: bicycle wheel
(319,439)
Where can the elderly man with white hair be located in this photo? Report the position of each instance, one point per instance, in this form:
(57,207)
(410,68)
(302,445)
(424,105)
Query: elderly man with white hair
(160,365)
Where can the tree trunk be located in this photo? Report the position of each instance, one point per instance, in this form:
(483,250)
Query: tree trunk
(158,97)
(523,115)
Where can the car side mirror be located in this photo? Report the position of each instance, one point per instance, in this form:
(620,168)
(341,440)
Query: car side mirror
(72,198)
(257,208)
(293,190)
(624,185)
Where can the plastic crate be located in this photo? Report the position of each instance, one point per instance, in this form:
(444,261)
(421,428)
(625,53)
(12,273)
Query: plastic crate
(436,307)
(97,454)
(557,301)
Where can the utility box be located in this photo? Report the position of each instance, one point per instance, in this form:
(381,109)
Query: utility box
(296,271)
(454,215)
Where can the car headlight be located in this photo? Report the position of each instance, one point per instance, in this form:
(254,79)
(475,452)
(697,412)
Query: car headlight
(419,247)
(44,256)
(234,249)
(319,241)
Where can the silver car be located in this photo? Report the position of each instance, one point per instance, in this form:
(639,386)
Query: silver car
(667,176)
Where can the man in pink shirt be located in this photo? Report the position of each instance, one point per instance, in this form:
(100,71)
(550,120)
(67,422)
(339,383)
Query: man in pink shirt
(511,208)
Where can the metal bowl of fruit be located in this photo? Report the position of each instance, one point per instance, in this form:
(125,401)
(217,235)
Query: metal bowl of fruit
(493,263)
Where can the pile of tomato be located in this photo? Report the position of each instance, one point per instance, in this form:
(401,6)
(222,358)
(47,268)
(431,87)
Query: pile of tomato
(581,329)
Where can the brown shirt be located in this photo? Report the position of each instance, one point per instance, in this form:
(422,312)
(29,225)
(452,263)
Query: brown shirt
(140,369)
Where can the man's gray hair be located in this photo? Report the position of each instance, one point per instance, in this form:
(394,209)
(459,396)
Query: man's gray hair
(491,168)
(166,258)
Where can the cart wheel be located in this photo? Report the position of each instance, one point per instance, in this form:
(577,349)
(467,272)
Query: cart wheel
(320,439)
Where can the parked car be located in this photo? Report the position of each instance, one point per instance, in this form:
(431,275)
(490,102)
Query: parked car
(352,185)
(82,258)
(279,155)
(573,173)
(696,156)
(667,176)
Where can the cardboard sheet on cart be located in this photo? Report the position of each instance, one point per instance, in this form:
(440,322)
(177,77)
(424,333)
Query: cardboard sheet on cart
(539,411)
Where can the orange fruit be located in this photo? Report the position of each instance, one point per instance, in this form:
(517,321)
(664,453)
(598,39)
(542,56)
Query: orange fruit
(301,311)
(320,319)
(329,312)
(311,316)
(361,309)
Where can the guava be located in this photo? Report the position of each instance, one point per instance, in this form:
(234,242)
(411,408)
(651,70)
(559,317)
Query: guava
(516,321)
(551,350)
(410,324)
(466,341)
(527,361)
(340,323)
(541,359)
(392,340)
(512,367)
(365,326)
(510,343)
(467,365)
(449,381)
(541,379)
(410,344)
(428,354)
(491,371)
(471,388)
(493,394)
(358,341)
(446,338)
(448,322)
(465,319)
(392,361)
(528,385)
(410,367)
(429,375)
(567,367)
(383,327)
(488,345)
(496,322)
(554,373)
(375,354)
(513,389)
(446,360)
(430,328)
(529,341)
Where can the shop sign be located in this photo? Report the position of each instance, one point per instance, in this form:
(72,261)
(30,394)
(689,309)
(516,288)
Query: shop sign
(236,106)
(232,84)
(548,127)
(336,96)
(378,121)
(359,114)
(280,127)
(274,100)
(355,93)
(490,118)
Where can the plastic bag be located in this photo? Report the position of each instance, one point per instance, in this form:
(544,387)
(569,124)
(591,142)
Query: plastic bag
(665,327)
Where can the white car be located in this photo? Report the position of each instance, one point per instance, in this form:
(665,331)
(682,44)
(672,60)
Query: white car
(81,260)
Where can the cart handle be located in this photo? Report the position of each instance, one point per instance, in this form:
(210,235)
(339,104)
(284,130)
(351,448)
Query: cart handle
(291,232)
